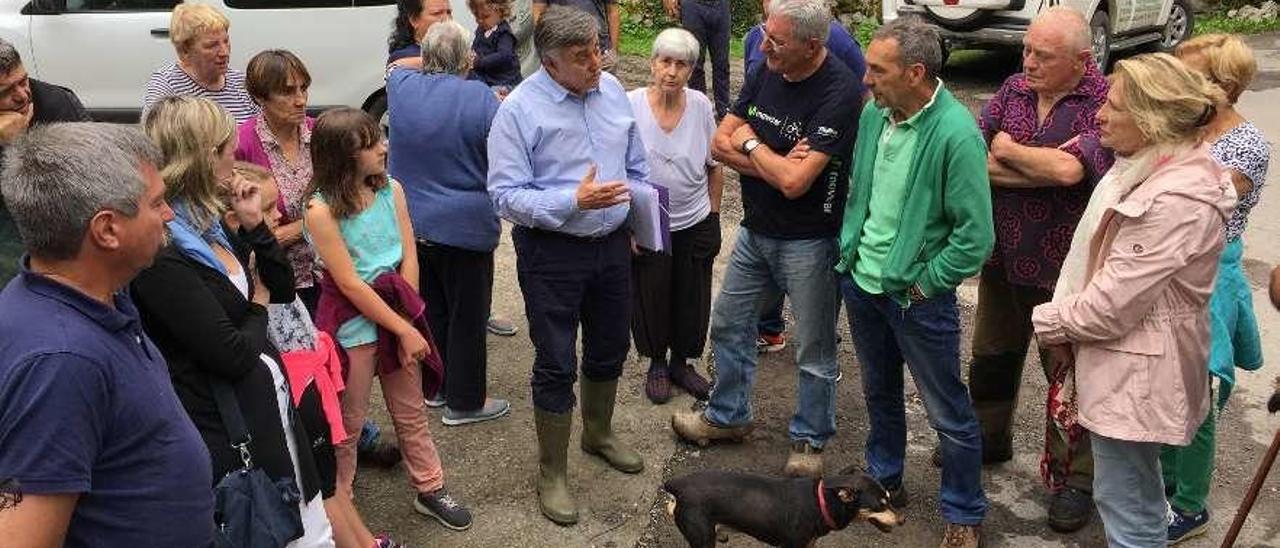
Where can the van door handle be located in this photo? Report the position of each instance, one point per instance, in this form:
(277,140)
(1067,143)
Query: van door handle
(160,33)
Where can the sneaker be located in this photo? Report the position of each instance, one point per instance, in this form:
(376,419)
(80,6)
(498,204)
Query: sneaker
(441,505)
(435,402)
(766,343)
(1186,526)
(1070,510)
(501,326)
(381,455)
(692,426)
(961,536)
(493,408)
(804,461)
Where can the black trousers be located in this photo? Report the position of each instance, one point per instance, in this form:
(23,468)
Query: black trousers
(709,21)
(567,282)
(457,285)
(671,294)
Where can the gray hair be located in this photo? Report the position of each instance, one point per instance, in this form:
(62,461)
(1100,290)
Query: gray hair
(563,27)
(918,43)
(58,176)
(676,43)
(810,19)
(9,58)
(1070,24)
(447,49)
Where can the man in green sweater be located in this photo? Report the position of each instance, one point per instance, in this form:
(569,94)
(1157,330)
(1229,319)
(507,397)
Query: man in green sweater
(917,223)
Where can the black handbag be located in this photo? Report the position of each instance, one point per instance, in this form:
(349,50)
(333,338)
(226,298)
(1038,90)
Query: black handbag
(250,509)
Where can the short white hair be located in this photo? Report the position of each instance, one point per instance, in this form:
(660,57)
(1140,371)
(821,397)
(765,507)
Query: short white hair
(446,49)
(1070,24)
(810,19)
(676,43)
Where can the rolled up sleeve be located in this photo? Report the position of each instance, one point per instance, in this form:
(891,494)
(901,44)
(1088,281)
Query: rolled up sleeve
(515,195)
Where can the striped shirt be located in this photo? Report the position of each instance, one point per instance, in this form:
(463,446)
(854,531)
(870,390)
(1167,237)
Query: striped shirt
(172,80)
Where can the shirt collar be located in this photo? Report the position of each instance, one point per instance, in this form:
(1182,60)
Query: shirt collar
(112,319)
(557,92)
(911,122)
(269,139)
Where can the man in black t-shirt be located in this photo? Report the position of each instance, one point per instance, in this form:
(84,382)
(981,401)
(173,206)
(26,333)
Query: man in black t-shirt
(790,137)
(25,102)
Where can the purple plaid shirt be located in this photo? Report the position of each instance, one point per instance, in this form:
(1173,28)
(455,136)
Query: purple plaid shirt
(1034,225)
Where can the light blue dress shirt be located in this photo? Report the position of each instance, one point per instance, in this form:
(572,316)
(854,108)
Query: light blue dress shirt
(541,144)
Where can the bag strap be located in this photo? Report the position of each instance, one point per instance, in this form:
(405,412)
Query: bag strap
(237,433)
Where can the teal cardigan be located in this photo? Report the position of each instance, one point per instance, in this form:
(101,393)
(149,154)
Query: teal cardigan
(945,233)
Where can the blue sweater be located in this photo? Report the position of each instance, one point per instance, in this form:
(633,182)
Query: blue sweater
(839,43)
(496,61)
(439,129)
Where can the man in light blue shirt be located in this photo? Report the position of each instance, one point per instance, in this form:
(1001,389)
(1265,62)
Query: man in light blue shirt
(563,152)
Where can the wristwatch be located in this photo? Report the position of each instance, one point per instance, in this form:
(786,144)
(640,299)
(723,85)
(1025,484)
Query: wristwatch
(750,145)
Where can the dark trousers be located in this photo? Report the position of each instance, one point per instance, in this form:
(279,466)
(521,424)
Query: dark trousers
(567,282)
(457,285)
(671,294)
(709,21)
(1001,334)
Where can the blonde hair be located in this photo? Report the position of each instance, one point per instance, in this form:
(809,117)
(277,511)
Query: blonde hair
(1229,61)
(189,21)
(190,132)
(1169,102)
(254,173)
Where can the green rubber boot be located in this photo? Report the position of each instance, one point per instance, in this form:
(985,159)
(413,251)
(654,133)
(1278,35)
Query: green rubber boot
(554,498)
(597,399)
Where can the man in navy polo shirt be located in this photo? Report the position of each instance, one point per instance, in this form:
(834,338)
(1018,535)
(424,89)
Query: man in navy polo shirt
(90,428)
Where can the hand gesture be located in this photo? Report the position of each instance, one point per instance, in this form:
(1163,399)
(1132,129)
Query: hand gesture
(246,201)
(413,347)
(672,8)
(15,122)
(593,195)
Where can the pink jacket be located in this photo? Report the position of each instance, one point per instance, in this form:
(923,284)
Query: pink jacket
(1140,328)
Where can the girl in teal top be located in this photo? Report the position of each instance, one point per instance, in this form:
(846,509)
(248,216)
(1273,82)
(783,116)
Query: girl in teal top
(358,222)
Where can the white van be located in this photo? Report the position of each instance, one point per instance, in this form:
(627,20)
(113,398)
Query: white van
(1116,24)
(105,50)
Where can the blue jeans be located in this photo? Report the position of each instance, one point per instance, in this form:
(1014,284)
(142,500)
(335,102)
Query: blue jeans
(803,269)
(1129,492)
(926,335)
(771,321)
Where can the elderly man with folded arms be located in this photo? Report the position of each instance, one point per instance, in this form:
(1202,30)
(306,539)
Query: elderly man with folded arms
(1044,161)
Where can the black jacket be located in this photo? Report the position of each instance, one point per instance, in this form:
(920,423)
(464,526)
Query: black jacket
(207,330)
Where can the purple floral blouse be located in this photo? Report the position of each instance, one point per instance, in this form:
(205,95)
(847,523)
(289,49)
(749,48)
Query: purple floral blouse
(293,179)
(1034,225)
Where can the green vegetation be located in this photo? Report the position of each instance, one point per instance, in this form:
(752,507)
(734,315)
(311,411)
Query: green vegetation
(639,41)
(1219,22)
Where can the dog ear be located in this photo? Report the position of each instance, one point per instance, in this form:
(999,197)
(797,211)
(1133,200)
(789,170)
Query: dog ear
(846,494)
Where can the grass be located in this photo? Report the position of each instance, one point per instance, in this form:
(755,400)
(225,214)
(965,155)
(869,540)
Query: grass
(1219,22)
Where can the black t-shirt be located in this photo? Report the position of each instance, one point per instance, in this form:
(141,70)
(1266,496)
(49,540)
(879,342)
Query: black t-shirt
(822,108)
(55,104)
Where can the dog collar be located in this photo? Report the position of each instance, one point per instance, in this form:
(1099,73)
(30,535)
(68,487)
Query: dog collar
(822,507)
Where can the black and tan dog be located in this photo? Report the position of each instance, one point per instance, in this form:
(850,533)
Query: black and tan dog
(786,512)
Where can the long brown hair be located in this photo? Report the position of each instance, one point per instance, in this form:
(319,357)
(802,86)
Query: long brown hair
(336,141)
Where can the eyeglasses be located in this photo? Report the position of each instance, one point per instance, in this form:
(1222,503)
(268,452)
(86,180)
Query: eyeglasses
(774,43)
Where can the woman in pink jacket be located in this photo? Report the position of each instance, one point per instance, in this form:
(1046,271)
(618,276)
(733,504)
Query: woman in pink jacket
(1130,316)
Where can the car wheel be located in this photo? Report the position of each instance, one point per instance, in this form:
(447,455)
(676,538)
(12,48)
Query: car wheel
(957,19)
(1178,28)
(1100,29)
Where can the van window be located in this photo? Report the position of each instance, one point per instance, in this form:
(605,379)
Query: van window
(285,4)
(121,5)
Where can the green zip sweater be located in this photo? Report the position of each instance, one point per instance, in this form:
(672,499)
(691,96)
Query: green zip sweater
(945,232)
